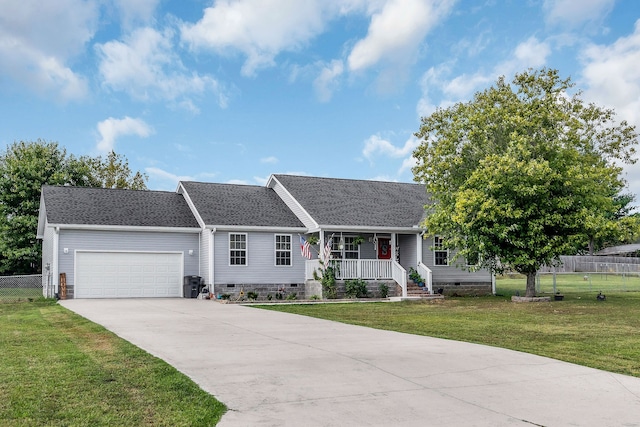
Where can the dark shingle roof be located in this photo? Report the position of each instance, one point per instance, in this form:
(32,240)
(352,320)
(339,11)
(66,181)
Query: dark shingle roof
(239,205)
(348,202)
(101,206)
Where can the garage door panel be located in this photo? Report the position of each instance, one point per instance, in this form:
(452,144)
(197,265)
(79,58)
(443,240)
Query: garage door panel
(128,274)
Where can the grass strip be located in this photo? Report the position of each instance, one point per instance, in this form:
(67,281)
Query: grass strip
(58,368)
(600,334)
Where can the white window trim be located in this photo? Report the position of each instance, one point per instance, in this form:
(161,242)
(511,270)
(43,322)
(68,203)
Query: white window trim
(435,250)
(276,250)
(336,249)
(246,249)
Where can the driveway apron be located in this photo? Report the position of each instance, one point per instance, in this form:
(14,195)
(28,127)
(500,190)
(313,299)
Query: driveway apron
(278,369)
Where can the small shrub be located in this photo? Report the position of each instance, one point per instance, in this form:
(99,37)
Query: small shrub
(252,295)
(269,297)
(384,290)
(329,288)
(225,296)
(292,296)
(315,297)
(356,288)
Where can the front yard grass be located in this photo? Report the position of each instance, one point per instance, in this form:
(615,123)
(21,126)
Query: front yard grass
(580,329)
(57,368)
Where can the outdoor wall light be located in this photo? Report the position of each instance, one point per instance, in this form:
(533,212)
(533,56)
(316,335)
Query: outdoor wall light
(190,251)
(66,250)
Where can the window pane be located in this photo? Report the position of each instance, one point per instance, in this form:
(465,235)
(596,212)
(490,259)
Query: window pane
(283,249)
(237,249)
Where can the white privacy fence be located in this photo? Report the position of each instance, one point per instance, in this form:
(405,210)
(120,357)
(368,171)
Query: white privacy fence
(595,264)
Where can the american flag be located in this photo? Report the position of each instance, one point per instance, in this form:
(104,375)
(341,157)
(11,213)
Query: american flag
(327,249)
(305,248)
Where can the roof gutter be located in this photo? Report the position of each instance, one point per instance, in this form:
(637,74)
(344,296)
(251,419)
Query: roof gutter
(126,228)
(367,229)
(266,229)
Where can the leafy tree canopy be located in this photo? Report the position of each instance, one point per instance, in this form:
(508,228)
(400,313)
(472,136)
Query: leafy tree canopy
(114,172)
(523,173)
(24,168)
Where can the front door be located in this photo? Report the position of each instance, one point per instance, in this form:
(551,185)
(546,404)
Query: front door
(384,248)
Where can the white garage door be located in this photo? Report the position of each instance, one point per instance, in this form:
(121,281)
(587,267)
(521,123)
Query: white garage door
(128,275)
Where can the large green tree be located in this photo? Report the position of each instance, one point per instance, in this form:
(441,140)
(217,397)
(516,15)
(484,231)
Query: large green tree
(114,172)
(523,173)
(24,168)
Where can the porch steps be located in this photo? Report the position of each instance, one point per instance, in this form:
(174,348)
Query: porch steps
(415,291)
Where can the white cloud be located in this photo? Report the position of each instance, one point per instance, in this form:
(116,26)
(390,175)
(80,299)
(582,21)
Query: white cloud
(260,29)
(161,174)
(396,31)
(531,53)
(138,11)
(146,67)
(327,81)
(375,144)
(573,13)
(111,129)
(270,159)
(407,165)
(40,59)
(611,76)
(238,182)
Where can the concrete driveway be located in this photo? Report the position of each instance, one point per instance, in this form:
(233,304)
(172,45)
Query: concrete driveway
(276,369)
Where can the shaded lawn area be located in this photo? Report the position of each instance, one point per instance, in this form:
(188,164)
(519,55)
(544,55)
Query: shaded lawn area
(580,329)
(57,368)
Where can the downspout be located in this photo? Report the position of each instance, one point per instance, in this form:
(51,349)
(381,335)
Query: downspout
(54,261)
(210,259)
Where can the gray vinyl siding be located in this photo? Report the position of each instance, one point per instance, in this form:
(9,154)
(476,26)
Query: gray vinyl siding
(408,250)
(137,241)
(291,204)
(367,248)
(205,241)
(260,268)
(454,272)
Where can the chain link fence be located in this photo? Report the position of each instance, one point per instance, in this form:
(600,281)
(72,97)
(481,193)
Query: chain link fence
(20,288)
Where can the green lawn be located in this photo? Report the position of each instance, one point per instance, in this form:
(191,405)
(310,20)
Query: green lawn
(57,368)
(19,294)
(580,329)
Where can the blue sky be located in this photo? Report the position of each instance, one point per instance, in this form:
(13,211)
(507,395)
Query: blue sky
(232,91)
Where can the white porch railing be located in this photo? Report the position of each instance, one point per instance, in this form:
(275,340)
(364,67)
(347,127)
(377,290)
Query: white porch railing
(310,266)
(367,269)
(400,277)
(425,272)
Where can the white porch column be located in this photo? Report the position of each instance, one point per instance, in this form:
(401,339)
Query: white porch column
(393,247)
(419,248)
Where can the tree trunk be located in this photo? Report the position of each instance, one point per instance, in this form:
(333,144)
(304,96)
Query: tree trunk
(531,284)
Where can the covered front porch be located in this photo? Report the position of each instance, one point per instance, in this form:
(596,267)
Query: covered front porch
(370,256)
(369,270)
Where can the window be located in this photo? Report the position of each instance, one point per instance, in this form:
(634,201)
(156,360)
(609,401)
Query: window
(237,249)
(343,247)
(283,249)
(473,259)
(350,248)
(336,252)
(440,253)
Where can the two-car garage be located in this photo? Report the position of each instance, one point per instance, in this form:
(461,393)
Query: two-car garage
(109,274)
